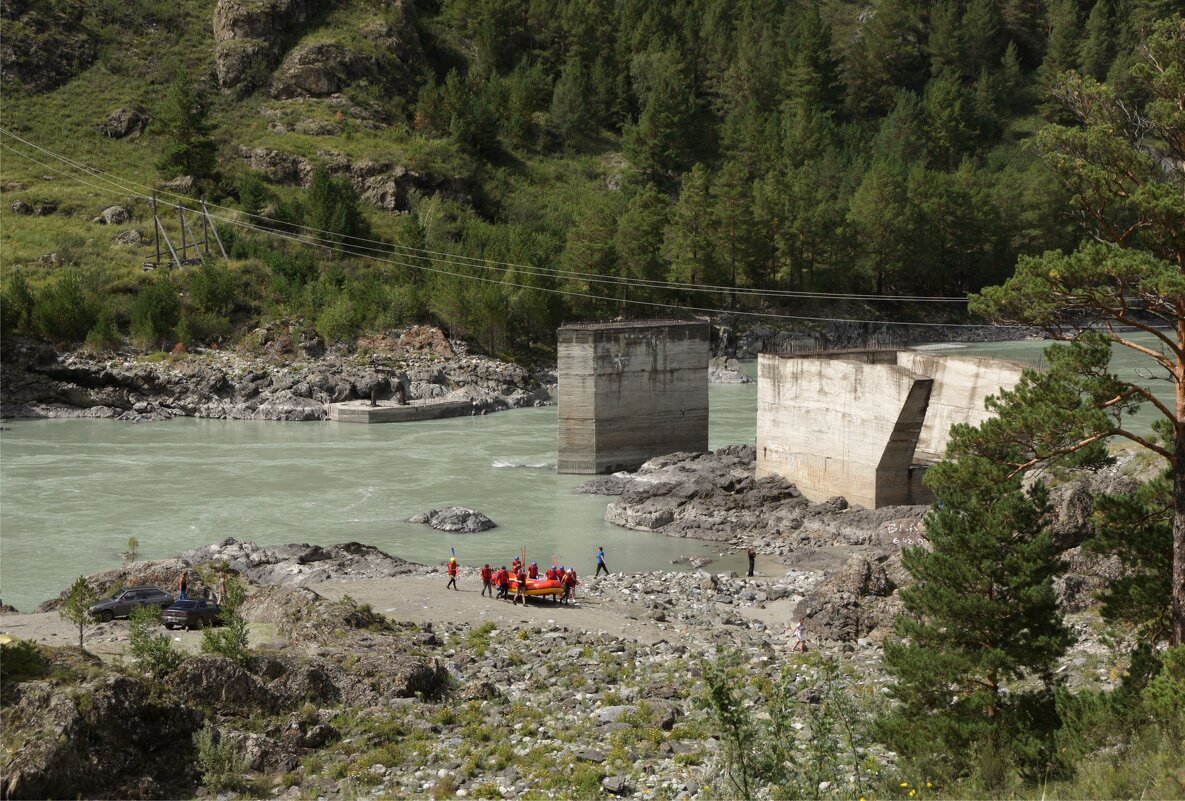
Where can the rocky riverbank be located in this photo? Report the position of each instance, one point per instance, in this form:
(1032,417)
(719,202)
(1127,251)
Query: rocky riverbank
(282,372)
(368,678)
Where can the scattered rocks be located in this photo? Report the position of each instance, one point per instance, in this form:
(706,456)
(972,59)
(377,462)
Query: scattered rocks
(132,236)
(455,518)
(21,207)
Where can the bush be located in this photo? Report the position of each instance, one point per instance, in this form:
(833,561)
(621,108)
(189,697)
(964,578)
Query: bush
(16,311)
(105,334)
(1164,699)
(222,768)
(230,640)
(155,312)
(339,322)
(212,288)
(20,660)
(154,653)
(64,311)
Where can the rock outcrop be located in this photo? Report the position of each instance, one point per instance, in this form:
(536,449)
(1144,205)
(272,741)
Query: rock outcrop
(455,518)
(384,185)
(290,378)
(44,44)
(250,37)
(124,123)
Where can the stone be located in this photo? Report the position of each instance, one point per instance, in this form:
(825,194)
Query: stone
(612,714)
(124,123)
(616,785)
(455,518)
(21,207)
(182,185)
(113,215)
(132,236)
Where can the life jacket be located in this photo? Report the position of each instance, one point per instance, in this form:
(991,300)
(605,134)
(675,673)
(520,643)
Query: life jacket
(452,568)
(551,573)
(486,573)
(532,572)
(503,577)
(570,578)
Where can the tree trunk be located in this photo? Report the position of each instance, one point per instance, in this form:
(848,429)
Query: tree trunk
(1178,574)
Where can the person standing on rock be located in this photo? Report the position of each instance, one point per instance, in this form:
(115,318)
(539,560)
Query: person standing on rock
(752,560)
(487,580)
(452,573)
(800,636)
(601,562)
(183,586)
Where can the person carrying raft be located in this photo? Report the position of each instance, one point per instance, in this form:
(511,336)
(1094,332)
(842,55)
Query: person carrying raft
(487,580)
(533,571)
(551,573)
(452,573)
(570,583)
(521,590)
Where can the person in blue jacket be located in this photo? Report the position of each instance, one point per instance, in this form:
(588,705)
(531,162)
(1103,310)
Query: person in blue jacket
(601,562)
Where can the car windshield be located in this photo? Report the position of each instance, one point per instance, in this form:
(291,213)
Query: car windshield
(185,605)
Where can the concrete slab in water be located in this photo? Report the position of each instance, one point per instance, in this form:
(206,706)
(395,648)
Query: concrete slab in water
(360,411)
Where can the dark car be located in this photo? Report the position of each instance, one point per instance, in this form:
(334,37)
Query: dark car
(192,614)
(124,601)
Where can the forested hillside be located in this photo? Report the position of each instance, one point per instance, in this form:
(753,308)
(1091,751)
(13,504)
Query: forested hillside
(502,166)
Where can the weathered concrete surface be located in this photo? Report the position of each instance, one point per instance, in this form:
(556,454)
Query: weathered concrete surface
(863,424)
(360,411)
(962,384)
(629,392)
(840,427)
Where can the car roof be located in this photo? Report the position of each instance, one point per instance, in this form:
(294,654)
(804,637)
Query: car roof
(142,587)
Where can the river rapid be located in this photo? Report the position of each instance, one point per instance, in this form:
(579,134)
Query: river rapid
(73,491)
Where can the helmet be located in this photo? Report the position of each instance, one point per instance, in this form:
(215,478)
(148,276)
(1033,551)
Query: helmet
(452,559)
(534,564)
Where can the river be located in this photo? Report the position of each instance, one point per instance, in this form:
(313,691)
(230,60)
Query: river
(73,491)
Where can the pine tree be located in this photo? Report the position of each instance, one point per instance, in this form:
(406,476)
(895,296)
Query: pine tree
(1065,32)
(688,245)
(184,121)
(950,129)
(1098,47)
(882,220)
(733,224)
(981,631)
(639,238)
(946,42)
(981,31)
(570,114)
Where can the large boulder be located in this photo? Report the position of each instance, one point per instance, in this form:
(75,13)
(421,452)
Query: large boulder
(859,600)
(124,123)
(321,69)
(217,683)
(455,518)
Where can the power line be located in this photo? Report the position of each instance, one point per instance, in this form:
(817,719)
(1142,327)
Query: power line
(420,267)
(472,261)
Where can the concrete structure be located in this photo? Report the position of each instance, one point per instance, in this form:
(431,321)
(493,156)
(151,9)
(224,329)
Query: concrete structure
(360,411)
(865,424)
(631,391)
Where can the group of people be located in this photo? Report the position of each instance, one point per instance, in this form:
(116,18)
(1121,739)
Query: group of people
(499,580)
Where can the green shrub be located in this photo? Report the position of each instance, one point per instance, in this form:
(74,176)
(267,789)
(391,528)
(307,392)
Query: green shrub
(229,640)
(16,311)
(154,653)
(339,322)
(104,335)
(212,288)
(222,768)
(1164,699)
(63,310)
(155,312)
(20,660)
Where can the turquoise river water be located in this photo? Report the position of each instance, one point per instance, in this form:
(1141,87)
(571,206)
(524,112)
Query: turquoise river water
(73,491)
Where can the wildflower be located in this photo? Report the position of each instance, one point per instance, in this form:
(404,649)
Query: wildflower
(904,784)
(912,793)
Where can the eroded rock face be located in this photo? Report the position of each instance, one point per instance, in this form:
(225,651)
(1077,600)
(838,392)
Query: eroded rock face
(49,44)
(298,563)
(320,70)
(120,741)
(250,36)
(162,573)
(859,600)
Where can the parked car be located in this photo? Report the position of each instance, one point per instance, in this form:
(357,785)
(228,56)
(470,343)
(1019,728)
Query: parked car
(124,601)
(192,614)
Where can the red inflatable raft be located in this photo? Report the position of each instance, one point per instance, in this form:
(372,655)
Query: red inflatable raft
(538,587)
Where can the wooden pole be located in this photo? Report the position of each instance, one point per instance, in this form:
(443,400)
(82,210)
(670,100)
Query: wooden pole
(184,255)
(156,227)
(214,228)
